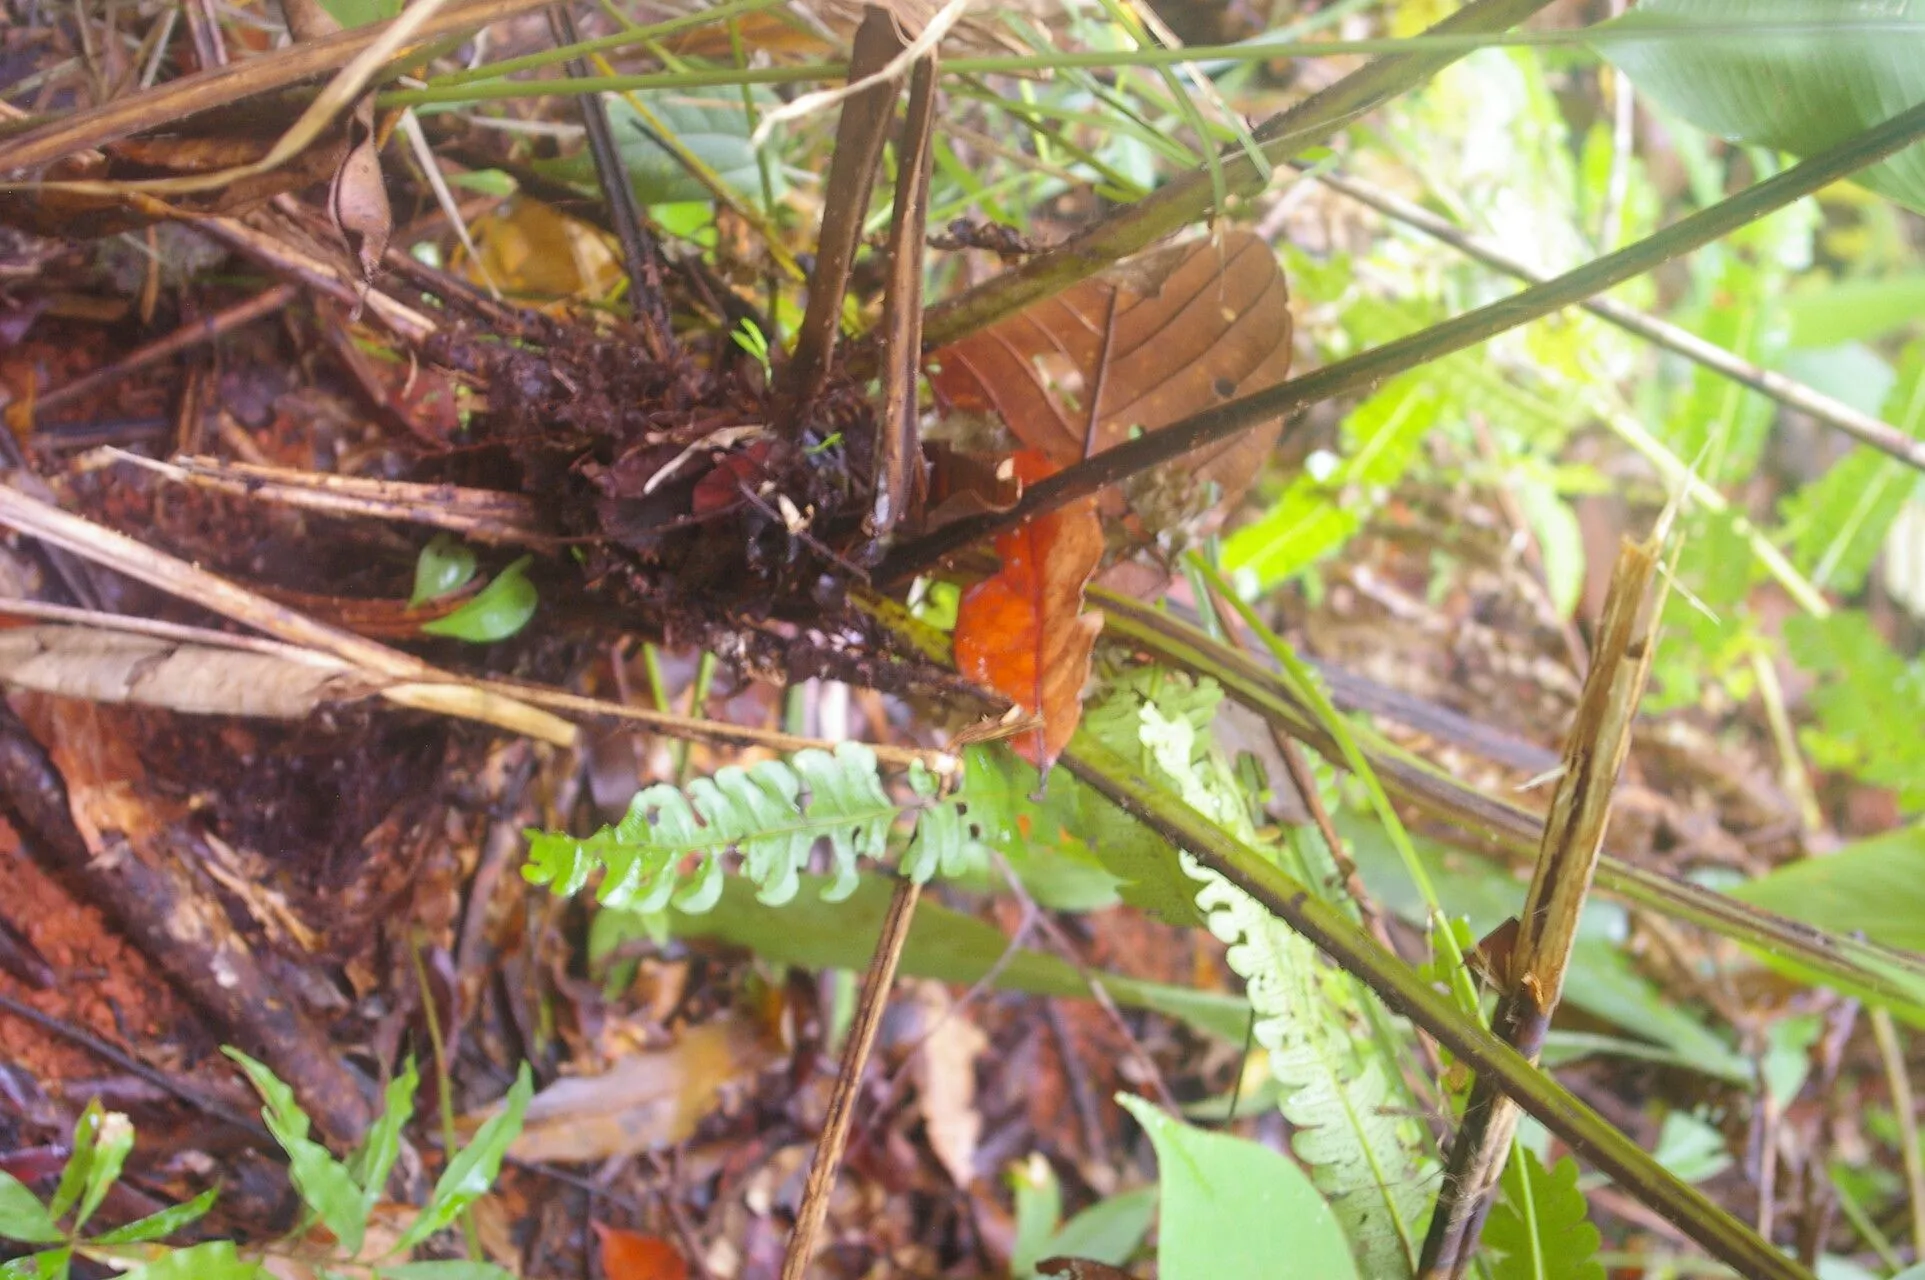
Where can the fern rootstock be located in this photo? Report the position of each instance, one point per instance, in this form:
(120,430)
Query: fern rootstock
(674,844)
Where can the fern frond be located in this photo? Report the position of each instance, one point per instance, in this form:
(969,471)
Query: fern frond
(771,814)
(1343,1093)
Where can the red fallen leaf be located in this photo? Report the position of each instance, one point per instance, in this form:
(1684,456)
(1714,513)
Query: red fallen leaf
(721,488)
(1023,632)
(629,1255)
(1158,337)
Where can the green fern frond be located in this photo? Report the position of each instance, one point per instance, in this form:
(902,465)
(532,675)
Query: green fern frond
(1342,1091)
(672,844)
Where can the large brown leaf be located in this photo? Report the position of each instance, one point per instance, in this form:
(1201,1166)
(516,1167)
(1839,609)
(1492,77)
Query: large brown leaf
(1023,632)
(1186,327)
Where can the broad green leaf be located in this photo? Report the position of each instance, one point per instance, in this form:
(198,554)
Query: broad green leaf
(710,123)
(50,1264)
(1875,885)
(1233,1209)
(1840,311)
(23,1217)
(1855,64)
(372,1162)
(323,1182)
(445,564)
(1555,1239)
(447,1269)
(943,944)
(113,1139)
(166,1222)
(216,1260)
(473,1169)
(498,610)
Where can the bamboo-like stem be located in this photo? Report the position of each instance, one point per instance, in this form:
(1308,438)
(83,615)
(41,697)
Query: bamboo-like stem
(1883,974)
(1594,754)
(1790,392)
(1409,994)
(1370,368)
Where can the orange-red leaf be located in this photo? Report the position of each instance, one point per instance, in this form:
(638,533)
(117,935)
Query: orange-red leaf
(629,1255)
(1023,632)
(1186,328)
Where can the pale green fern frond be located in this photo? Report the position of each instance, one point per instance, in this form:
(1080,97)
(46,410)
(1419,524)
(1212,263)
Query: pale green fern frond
(1354,1120)
(672,845)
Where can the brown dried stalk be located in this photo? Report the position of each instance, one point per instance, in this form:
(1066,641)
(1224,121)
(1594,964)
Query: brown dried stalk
(1573,835)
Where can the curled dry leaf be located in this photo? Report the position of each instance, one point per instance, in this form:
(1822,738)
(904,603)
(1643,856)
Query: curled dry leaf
(1023,632)
(630,1255)
(1157,338)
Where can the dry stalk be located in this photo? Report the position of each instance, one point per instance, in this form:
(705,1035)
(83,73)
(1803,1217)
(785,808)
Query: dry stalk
(1567,858)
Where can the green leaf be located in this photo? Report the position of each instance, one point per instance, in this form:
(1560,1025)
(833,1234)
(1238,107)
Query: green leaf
(1233,1209)
(49,1264)
(473,1170)
(113,1139)
(711,124)
(447,1269)
(164,1223)
(772,813)
(498,610)
(361,13)
(1564,1245)
(943,944)
(74,1174)
(1868,705)
(323,1182)
(1799,91)
(1875,885)
(216,1260)
(445,564)
(374,1158)
(23,1217)
(1827,313)
(1110,1230)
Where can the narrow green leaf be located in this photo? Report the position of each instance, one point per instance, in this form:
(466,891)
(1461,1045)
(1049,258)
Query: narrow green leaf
(113,1139)
(1039,1208)
(498,611)
(446,1269)
(1876,886)
(1110,1230)
(216,1260)
(23,1217)
(378,1151)
(1233,1209)
(472,1171)
(324,1182)
(445,564)
(166,1222)
(50,1264)
(74,1174)
(1564,1244)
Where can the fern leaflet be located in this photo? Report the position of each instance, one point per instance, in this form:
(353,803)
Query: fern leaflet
(1564,1245)
(672,844)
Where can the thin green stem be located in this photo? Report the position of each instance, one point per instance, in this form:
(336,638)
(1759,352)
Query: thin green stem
(633,35)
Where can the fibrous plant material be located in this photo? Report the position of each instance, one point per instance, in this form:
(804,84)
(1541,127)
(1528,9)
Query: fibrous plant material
(1547,927)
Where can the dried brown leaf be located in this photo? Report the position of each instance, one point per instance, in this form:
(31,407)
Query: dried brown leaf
(1158,338)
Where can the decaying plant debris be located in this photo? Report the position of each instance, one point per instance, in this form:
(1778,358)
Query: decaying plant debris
(243,737)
